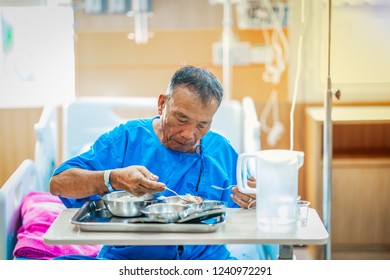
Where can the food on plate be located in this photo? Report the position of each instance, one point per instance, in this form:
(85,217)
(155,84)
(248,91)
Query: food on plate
(190,199)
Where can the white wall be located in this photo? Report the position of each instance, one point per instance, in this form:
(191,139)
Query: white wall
(37,61)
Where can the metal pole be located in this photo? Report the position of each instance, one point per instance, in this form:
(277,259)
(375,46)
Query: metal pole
(226,48)
(327,152)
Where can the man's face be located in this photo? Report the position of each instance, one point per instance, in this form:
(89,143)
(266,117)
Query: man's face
(184,119)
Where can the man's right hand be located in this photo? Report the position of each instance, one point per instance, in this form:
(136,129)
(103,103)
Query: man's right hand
(136,179)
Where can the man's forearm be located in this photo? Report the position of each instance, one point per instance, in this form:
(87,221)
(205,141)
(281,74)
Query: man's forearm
(77,183)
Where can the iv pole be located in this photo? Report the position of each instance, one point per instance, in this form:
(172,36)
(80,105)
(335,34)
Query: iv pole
(227,36)
(327,150)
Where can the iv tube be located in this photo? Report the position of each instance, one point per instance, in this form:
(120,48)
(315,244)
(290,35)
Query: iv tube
(294,97)
(274,69)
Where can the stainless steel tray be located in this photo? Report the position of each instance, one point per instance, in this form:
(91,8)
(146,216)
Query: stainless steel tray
(94,216)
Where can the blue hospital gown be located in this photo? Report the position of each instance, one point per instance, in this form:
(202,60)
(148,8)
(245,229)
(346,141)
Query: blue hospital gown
(135,143)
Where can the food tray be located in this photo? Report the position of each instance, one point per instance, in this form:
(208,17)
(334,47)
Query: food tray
(94,216)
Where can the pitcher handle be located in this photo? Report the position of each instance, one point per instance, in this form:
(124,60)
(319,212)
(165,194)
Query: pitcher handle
(242,168)
(300,159)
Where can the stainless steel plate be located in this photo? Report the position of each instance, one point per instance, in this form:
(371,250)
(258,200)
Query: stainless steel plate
(94,216)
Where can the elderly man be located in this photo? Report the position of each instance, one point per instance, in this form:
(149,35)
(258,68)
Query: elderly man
(175,149)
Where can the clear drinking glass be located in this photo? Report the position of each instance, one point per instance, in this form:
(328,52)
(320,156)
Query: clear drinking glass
(303,211)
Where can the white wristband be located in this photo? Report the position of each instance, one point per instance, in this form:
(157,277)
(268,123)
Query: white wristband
(107,180)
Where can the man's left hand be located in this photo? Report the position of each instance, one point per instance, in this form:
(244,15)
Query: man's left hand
(243,199)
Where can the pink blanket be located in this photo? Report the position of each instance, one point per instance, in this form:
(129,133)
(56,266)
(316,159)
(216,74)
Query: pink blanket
(38,211)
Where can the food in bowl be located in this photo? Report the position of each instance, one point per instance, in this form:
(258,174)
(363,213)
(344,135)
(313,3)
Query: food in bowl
(129,198)
(125,204)
(188,199)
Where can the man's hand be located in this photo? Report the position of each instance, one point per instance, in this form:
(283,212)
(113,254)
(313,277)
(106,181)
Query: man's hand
(242,199)
(135,179)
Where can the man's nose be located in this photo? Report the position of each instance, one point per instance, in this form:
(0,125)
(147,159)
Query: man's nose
(188,133)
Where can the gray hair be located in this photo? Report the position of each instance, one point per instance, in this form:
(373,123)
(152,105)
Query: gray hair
(200,81)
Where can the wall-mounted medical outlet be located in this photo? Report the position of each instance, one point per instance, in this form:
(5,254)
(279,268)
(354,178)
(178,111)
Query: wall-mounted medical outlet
(261,54)
(95,6)
(260,14)
(118,6)
(111,6)
(242,53)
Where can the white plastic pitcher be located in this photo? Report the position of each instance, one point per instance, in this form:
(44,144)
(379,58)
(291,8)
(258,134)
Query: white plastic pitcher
(276,187)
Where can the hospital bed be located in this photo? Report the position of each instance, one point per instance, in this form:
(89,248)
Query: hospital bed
(84,119)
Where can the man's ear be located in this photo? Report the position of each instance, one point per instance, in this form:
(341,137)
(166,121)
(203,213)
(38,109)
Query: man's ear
(162,98)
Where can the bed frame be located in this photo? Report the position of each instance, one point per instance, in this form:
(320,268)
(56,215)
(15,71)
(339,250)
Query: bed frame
(31,175)
(22,181)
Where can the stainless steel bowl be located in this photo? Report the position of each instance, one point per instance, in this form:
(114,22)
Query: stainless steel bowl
(166,212)
(209,204)
(124,204)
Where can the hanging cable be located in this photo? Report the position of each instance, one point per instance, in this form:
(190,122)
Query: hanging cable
(297,76)
(294,97)
(275,131)
(279,43)
(274,69)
